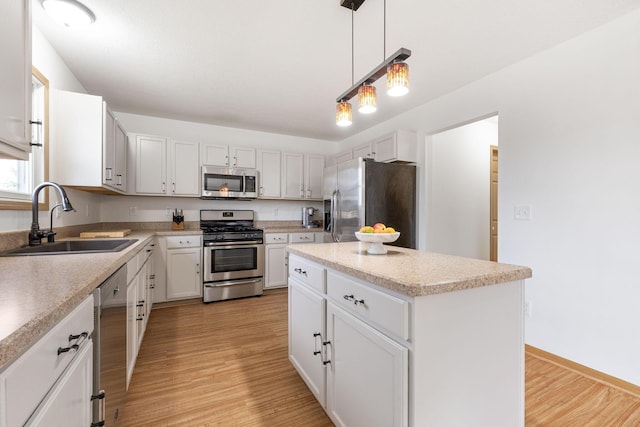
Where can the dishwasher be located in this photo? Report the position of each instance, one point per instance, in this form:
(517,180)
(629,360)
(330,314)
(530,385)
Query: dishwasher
(110,349)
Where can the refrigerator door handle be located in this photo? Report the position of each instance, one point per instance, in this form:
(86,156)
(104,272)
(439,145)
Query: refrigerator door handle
(334,217)
(336,222)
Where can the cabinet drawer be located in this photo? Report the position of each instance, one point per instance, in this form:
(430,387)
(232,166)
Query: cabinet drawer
(275,238)
(301,238)
(183,241)
(27,380)
(378,308)
(307,272)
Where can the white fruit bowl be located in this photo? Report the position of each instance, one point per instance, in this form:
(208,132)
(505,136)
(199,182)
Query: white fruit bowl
(376,240)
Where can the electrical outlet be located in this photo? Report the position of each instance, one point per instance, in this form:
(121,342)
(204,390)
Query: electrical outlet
(133,211)
(522,212)
(86,210)
(527,308)
(58,212)
(168,212)
(275,212)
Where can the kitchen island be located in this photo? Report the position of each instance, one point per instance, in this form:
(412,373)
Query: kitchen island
(409,338)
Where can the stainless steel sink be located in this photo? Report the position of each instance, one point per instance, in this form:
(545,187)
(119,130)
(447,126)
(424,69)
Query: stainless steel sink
(72,247)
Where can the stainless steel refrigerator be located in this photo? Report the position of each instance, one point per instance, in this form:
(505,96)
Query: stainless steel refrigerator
(362,192)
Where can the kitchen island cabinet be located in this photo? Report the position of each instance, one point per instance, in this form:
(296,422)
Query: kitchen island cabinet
(409,338)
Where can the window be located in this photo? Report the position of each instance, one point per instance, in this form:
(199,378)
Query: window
(19,177)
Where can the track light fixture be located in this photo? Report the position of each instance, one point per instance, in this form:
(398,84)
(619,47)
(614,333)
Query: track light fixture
(394,67)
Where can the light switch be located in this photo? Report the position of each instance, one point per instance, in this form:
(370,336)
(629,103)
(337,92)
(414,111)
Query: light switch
(522,212)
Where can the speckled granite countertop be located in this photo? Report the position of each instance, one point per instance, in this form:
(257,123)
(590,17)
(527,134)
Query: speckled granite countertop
(408,271)
(38,291)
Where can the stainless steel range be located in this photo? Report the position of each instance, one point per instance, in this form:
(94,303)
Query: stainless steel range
(233,255)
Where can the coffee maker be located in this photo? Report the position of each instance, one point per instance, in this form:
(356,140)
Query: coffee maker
(307,214)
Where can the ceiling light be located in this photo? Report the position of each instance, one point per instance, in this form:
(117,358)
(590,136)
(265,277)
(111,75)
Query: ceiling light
(343,113)
(70,13)
(397,79)
(367,99)
(394,66)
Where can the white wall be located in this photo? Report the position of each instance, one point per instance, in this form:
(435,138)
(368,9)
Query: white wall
(458,178)
(569,126)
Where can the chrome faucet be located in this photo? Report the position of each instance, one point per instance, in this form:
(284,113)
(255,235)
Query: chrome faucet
(36,235)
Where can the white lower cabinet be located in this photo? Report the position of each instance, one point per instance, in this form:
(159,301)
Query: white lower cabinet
(183,257)
(275,255)
(51,383)
(66,403)
(358,373)
(306,334)
(139,302)
(367,377)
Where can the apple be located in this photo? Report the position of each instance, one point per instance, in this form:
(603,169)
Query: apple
(389,230)
(379,226)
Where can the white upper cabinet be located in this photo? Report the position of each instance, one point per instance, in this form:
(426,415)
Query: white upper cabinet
(313,173)
(184,168)
(224,155)
(302,176)
(167,167)
(151,165)
(292,175)
(84,126)
(15,83)
(399,146)
(268,166)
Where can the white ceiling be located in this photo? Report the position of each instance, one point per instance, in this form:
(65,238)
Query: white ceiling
(278,66)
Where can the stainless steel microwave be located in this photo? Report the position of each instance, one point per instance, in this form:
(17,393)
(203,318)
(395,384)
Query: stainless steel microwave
(229,183)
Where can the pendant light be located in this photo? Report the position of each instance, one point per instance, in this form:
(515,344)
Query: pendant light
(343,113)
(367,102)
(397,79)
(343,109)
(69,13)
(394,67)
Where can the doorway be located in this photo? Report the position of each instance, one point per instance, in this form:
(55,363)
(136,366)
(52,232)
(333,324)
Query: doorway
(461,215)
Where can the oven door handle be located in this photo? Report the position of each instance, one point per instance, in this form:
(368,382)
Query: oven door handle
(232,244)
(231,282)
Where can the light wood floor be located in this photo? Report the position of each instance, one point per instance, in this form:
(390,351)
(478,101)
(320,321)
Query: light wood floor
(225,364)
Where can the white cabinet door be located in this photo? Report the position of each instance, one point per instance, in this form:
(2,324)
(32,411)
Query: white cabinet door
(275,272)
(399,146)
(183,273)
(268,166)
(15,84)
(243,157)
(108,146)
(120,158)
(151,160)
(343,157)
(306,333)
(363,150)
(141,305)
(367,382)
(215,154)
(184,165)
(132,326)
(292,175)
(68,403)
(314,168)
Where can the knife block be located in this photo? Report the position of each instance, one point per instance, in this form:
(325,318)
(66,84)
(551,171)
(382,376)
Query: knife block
(177,223)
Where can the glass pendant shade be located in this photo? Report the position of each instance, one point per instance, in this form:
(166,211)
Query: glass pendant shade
(397,79)
(367,102)
(69,13)
(343,113)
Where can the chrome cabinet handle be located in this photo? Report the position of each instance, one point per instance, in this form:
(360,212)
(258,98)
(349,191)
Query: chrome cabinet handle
(353,299)
(103,408)
(300,271)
